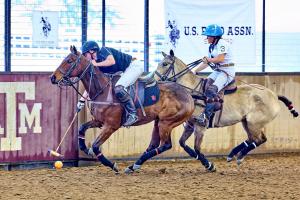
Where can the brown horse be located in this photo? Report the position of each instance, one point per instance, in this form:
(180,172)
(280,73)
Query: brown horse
(253,105)
(175,106)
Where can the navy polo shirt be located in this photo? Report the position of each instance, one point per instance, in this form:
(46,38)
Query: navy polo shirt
(123,60)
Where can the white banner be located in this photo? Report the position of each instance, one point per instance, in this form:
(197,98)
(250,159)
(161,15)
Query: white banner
(45,28)
(185,21)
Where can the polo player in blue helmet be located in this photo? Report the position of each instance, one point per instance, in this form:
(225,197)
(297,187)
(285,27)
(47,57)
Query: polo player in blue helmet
(220,55)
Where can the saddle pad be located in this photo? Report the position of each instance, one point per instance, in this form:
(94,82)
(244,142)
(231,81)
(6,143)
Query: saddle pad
(145,95)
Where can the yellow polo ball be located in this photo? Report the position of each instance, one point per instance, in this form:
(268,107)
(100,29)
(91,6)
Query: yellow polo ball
(58,164)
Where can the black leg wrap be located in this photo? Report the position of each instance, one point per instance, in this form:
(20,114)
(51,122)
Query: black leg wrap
(81,138)
(238,148)
(102,158)
(82,130)
(153,153)
(82,145)
(105,161)
(246,150)
(202,159)
(190,151)
(151,147)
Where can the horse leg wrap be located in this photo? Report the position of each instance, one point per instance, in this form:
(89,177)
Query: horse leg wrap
(102,158)
(189,129)
(190,151)
(151,147)
(236,150)
(187,149)
(81,139)
(203,159)
(82,145)
(246,150)
(153,153)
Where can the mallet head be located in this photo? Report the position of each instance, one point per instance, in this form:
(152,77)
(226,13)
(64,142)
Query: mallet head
(54,153)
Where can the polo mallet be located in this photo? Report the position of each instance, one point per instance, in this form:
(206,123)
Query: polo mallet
(55,153)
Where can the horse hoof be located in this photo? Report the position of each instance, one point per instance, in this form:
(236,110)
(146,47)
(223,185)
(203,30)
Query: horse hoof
(229,159)
(132,168)
(129,170)
(239,161)
(211,167)
(115,168)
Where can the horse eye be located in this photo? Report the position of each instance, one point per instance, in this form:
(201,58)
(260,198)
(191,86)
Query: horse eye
(69,61)
(165,64)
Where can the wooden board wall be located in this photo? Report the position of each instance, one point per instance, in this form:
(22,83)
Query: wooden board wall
(283,133)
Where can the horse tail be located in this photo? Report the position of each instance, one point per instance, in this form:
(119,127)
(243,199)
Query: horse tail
(288,104)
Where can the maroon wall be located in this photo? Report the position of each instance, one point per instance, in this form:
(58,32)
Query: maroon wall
(34,115)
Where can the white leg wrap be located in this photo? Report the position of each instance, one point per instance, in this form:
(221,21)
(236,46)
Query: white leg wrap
(91,152)
(136,167)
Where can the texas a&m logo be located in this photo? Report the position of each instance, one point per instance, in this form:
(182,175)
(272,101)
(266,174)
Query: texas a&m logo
(14,125)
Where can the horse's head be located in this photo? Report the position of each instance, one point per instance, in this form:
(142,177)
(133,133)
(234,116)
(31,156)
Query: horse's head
(74,65)
(165,68)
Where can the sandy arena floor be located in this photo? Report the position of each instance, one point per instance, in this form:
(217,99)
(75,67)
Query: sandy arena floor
(259,177)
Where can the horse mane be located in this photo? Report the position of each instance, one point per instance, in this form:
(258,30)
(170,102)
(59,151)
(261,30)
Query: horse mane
(189,78)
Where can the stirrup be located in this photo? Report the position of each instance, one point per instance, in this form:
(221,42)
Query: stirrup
(131,119)
(201,119)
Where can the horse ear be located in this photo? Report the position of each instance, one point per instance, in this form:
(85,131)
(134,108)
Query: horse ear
(171,53)
(75,50)
(164,54)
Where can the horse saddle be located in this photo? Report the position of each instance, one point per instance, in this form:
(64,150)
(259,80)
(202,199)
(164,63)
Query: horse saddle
(216,116)
(144,91)
(228,89)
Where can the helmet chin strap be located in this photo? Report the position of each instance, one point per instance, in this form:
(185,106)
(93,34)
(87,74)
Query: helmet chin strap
(214,42)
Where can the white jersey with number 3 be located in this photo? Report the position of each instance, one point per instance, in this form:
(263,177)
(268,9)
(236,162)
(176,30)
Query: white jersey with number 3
(220,78)
(222,47)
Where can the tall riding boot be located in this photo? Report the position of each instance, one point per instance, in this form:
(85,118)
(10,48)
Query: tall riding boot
(128,104)
(204,117)
(210,107)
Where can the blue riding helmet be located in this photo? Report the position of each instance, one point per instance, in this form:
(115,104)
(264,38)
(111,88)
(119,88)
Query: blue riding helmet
(89,45)
(213,30)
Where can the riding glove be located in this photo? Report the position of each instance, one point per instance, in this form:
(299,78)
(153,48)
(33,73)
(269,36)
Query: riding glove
(205,60)
(80,105)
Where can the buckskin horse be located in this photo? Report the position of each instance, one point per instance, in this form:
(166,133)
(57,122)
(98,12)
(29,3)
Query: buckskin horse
(253,105)
(174,105)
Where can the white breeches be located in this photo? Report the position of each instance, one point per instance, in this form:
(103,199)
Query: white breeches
(221,78)
(131,74)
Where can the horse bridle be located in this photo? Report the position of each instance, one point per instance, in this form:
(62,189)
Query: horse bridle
(67,81)
(171,70)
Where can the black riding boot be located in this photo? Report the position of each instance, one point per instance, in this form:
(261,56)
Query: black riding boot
(210,107)
(128,104)
(204,117)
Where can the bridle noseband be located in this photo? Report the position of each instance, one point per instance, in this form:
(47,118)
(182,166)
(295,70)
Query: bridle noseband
(170,71)
(66,80)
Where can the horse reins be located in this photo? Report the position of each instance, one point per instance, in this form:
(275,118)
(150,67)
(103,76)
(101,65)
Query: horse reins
(189,67)
(171,69)
(89,68)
